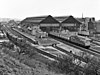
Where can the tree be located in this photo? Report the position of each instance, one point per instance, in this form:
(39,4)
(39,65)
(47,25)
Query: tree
(68,65)
(63,66)
(93,66)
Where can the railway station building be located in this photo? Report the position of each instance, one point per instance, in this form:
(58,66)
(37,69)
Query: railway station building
(45,23)
(69,23)
(49,23)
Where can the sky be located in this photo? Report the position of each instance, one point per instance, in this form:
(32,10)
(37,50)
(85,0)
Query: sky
(21,9)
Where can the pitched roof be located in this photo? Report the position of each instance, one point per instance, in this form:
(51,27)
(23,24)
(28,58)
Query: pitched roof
(35,20)
(71,19)
(61,18)
(49,19)
(40,19)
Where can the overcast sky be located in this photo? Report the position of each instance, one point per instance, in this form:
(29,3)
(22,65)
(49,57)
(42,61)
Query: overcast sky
(24,8)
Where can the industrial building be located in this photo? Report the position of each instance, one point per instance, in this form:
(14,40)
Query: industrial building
(71,24)
(46,23)
(49,23)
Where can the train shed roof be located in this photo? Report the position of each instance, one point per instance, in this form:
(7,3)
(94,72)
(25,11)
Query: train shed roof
(71,19)
(61,18)
(49,19)
(40,19)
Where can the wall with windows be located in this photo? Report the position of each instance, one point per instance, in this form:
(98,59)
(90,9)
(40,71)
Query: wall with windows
(70,26)
(49,27)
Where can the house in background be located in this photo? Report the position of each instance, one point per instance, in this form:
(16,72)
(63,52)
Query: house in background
(92,26)
(97,29)
(87,26)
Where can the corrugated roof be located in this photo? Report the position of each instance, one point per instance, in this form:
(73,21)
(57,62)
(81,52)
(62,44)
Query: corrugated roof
(71,19)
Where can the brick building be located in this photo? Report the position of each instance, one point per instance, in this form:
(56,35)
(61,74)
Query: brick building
(97,29)
(88,25)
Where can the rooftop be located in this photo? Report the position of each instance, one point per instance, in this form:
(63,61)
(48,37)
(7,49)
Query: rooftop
(71,19)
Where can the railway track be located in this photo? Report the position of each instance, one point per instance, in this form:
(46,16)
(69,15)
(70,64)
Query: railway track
(74,55)
(58,48)
(91,51)
(8,29)
(47,54)
(96,42)
(66,52)
(54,57)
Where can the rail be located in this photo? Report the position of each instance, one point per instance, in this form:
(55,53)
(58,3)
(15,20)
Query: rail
(34,48)
(91,51)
